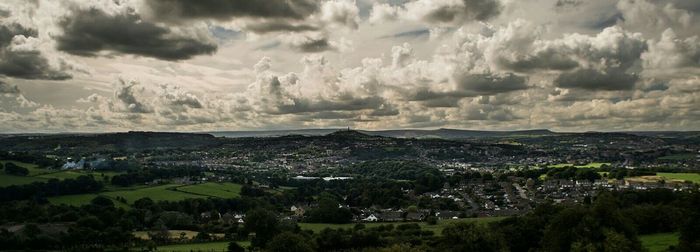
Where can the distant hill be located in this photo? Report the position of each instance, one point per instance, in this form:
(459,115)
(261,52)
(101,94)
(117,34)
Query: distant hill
(415,133)
(273,133)
(133,140)
(458,134)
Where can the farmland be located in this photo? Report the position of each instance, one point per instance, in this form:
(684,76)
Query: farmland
(220,190)
(659,242)
(208,246)
(167,192)
(437,229)
(594,165)
(668,177)
(34,170)
(8,180)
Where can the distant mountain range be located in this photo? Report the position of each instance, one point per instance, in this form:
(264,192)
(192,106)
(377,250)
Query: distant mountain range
(439,133)
(414,133)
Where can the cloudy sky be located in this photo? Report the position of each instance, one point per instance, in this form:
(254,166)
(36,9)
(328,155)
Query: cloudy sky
(180,65)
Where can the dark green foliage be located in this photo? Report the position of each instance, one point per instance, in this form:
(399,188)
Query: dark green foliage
(427,178)
(590,228)
(13,169)
(467,236)
(263,223)
(328,211)
(234,247)
(53,187)
(573,173)
(290,242)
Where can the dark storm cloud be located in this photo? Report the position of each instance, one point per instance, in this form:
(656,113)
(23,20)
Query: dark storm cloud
(591,79)
(548,59)
(87,32)
(28,65)
(566,3)
(312,45)
(409,34)
(6,88)
(25,64)
(472,10)
(278,25)
(9,31)
(5,13)
(345,102)
(487,83)
(176,10)
(468,85)
(606,19)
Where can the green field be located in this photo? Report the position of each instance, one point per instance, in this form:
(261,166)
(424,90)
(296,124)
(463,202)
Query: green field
(156,193)
(168,192)
(692,177)
(594,165)
(34,170)
(659,242)
(8,180)
(678,157)
(437,229)
(220,190)
(72,174)
(208,246)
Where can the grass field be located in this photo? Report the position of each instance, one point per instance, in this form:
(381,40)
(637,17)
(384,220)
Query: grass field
(437,229)
(74,174)
(659,242)
(8,180)
(692,177)
(34,170)
(668,177)
(156,193)
(677,157)
(203,247)
(166,192)
(220,190)
(594,165)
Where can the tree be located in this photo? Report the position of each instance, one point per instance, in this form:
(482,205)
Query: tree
(467,236)
(263,223)
(289,242)
(235,247)
(328,211)
(13,169)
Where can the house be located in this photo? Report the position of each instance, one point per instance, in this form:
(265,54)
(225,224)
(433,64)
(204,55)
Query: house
(416,216)
(210,216)
(391,216)
(444,215)
(371,218)
(298,211)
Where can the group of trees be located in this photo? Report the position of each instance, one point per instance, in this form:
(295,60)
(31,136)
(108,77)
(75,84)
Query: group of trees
(52,187)
(140,176)
(13,169)
(573,173)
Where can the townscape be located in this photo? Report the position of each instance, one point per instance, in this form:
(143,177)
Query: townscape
(325,180)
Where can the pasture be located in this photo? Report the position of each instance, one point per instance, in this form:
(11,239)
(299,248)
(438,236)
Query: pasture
(8,180)
(692,177)
(156,193)
(679,157)
(167,192)
(203,247)
(220,190)
(594,165)
(659,242)
(437,228)
(668,177)
(34,170)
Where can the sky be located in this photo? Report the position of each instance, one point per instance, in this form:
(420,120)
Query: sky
(217,65)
